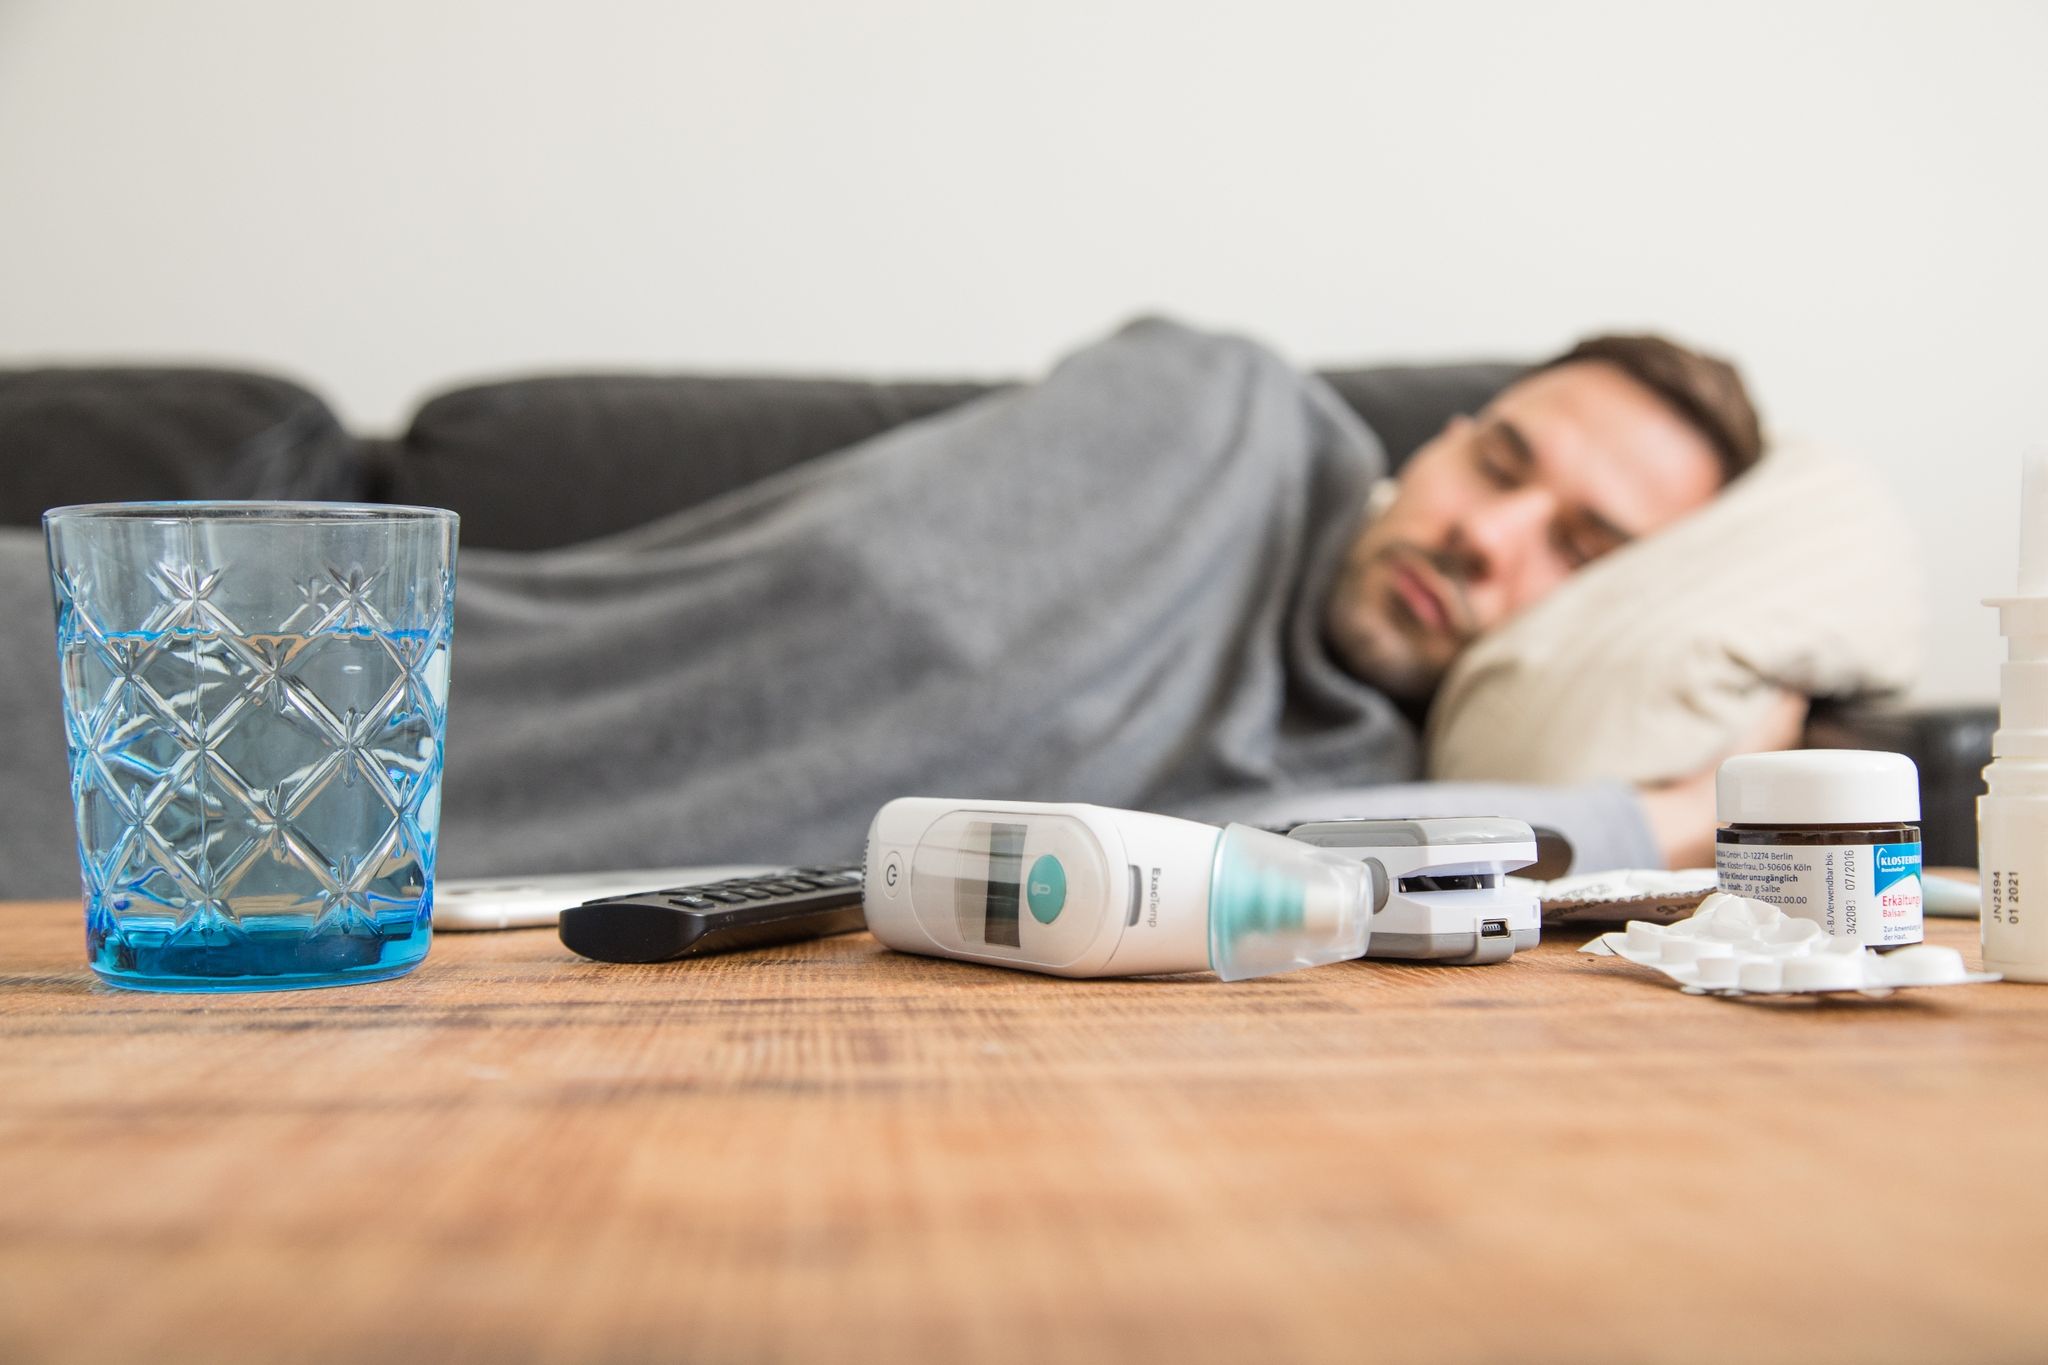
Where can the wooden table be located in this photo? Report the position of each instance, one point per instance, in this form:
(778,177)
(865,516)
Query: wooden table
(830,1152)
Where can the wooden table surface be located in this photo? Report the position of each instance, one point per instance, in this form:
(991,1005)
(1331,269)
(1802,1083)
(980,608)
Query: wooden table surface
(831,1152)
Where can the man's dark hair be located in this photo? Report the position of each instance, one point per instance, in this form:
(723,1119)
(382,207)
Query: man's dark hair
(1705,390)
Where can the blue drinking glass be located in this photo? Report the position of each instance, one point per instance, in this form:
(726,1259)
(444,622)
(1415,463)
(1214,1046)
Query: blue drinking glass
(255,703)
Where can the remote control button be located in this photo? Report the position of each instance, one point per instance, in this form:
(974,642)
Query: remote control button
(723,897)
(808,883)
(692,901)
(777,888)
(1046,889)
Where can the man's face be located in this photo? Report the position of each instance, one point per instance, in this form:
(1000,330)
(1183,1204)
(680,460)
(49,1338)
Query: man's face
(1495,512)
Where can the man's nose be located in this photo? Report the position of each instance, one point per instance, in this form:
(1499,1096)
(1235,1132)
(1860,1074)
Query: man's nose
(1499,532)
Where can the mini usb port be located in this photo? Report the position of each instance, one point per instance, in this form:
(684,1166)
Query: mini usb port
(1493,928)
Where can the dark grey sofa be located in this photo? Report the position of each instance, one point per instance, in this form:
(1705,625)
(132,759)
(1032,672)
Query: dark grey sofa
(549,461)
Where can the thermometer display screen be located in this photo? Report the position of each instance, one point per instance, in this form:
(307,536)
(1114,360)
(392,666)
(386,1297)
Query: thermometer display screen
(1001,893)
(1029,887)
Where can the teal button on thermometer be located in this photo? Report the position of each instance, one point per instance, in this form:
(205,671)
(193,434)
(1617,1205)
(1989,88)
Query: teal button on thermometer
(1047,889)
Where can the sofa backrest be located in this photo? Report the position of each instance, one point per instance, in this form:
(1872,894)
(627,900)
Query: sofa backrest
(528,463)
(551,461)
(109,435)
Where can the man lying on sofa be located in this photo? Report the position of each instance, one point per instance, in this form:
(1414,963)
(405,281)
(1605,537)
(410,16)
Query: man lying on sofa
(1169,576)
(1611,441)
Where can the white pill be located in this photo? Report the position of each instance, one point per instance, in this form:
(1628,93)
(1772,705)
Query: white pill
(1759,976)
(1717,971)
(1824,972)
(1644,936)
(1924,965)
(1726,908)
(1761,913)
(1732,928)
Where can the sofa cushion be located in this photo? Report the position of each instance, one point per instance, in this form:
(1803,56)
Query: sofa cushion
(114,435)
(536,463)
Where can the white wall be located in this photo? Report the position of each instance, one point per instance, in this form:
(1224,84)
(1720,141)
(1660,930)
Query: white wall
(383,197)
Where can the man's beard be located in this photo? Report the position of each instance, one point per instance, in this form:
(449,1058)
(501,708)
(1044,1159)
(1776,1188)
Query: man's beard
(1454,570)
(1388,645)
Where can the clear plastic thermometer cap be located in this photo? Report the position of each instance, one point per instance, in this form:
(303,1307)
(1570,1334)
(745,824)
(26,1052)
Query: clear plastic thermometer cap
(1276,904)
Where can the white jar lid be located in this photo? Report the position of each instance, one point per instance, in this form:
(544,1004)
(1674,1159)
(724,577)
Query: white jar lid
(1818,787)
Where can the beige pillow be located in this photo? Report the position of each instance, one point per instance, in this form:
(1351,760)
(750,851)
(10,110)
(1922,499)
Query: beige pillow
(1650,663)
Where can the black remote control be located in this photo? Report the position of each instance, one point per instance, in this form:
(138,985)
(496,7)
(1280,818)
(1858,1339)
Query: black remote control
(716,917)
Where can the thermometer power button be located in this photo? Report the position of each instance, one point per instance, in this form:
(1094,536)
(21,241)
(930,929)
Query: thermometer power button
(892,875)
(1045,890)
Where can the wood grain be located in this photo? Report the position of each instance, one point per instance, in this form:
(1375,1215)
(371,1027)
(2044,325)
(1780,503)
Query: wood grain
(831,1152)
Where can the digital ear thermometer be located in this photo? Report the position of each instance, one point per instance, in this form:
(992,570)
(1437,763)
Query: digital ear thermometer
(1078,890)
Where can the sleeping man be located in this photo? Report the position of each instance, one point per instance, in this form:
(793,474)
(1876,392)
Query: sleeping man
(1615,439)
(1170,576)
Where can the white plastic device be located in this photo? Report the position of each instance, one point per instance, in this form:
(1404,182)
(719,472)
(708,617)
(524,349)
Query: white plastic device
(1081,890)
(1440,886)
(2012,815)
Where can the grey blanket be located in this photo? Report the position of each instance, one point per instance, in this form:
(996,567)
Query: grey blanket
(1105,587)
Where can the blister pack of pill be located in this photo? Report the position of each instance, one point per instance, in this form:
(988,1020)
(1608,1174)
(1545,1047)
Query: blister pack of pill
(1733,946)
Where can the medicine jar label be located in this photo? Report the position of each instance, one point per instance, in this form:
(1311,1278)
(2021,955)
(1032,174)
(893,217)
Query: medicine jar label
(1866,892)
